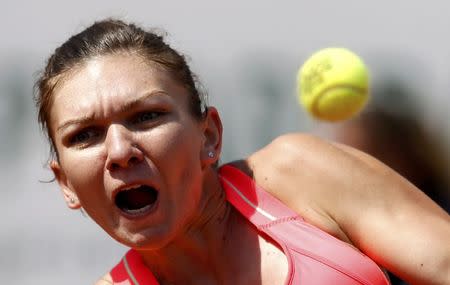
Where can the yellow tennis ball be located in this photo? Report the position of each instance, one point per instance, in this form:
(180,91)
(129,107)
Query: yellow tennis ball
(333,84)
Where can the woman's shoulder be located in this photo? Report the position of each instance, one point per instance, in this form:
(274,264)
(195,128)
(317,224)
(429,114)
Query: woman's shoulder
(292,153)
(290,147)
(308,174)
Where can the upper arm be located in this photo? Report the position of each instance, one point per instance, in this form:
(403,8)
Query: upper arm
(380,212)
(393,222)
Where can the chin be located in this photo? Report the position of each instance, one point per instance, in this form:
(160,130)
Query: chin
(149,239)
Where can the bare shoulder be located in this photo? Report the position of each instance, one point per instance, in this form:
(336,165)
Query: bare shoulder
(322,179)
(294,154)
(306,172)
(299,157)
(327,183)
(286,150)
(289,148)
(105,280)
(358,199)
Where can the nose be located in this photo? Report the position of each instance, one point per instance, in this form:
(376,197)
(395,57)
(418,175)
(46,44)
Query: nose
(122,151)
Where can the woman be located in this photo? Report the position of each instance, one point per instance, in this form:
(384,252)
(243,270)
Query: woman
(138,151)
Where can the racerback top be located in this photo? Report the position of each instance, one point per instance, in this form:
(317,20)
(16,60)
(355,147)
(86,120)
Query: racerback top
(314,256)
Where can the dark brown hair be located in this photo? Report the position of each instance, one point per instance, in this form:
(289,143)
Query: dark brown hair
(105,37)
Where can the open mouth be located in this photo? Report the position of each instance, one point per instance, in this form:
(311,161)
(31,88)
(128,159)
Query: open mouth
(137,201)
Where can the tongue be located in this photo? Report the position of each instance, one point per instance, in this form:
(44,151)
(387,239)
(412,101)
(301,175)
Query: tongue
(136,199)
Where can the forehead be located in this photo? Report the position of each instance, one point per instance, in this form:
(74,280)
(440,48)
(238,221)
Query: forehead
(107,81)
(116,74)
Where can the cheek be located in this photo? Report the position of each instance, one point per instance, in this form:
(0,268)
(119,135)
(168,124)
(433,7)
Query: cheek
(84,171)
(177,157)
(176,144)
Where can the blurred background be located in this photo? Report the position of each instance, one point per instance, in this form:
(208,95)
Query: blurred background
(247,54)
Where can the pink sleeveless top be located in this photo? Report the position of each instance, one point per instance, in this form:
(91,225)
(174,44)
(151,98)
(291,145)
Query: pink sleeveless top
(314,257)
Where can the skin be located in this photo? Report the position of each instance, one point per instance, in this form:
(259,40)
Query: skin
(195,236)
(356,198)
(108,134)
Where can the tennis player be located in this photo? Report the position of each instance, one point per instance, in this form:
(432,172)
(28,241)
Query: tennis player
(137,149)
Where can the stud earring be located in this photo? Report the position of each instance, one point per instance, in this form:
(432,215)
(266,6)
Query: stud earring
(72,200)
(211,154)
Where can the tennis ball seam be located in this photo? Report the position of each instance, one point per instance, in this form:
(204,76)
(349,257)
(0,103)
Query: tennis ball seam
(318,97)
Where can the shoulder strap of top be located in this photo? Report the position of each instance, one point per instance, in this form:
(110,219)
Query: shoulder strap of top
(132,271)
(254,203)
(267,213)
(257,205)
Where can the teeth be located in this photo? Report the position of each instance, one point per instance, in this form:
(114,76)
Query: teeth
(139,211)
(132,187)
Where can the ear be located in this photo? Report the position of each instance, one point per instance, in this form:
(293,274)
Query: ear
(69,195)
(212,132)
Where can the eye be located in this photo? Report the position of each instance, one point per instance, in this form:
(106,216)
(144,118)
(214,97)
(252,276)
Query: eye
(146,116)
(84,136)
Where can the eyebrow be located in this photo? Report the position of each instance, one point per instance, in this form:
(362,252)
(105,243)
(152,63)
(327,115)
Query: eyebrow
(123,109)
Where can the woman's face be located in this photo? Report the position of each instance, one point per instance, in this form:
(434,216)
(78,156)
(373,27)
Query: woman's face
(130,152)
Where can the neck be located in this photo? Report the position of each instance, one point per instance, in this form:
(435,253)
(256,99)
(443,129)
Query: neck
(200,249)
